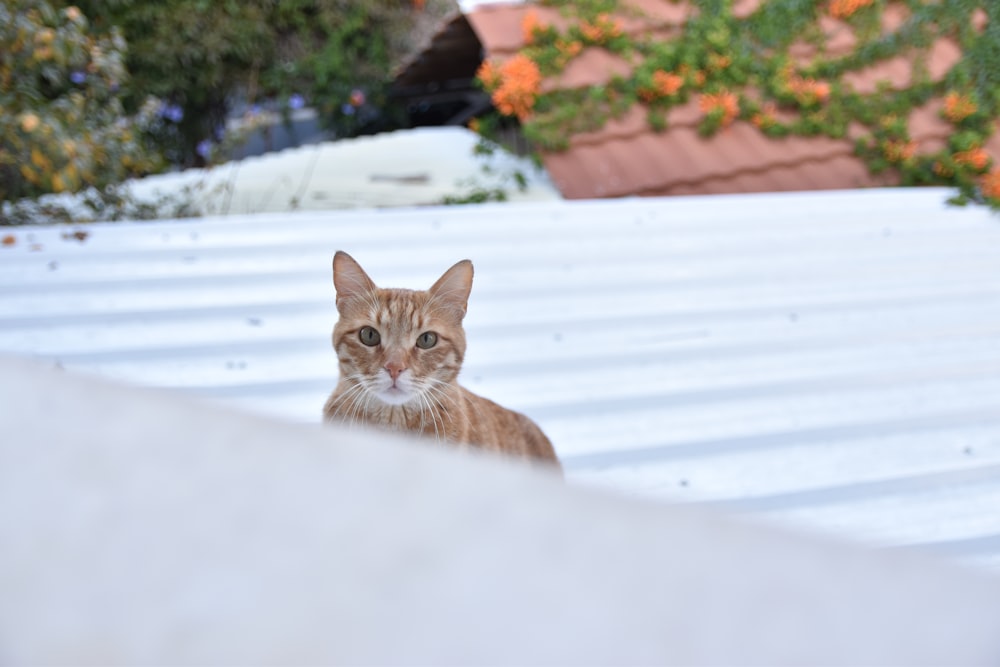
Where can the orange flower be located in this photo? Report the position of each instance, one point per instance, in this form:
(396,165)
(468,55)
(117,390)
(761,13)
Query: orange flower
(806,91)
(725,102)
(897,150)
(568,50)
(841,9)
(489,75)
(514,85)
(474,125)
(718,62)
(665,84)
(530,25)
(958,107)
(765,118)
(976,158)
(603,28)
(990,184)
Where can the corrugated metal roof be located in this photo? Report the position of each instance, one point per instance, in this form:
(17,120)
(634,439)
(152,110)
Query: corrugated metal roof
(829,361)
(627,157)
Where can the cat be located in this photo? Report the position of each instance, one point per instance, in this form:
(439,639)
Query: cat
(400,352)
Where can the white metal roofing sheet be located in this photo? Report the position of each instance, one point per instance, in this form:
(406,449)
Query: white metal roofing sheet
(823,360)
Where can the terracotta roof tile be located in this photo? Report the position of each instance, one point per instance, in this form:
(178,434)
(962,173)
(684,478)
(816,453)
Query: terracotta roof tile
(944,55)
(928,128)
(499,26)
(840,39)
(898,72)
(744,8)
(894,72)
(592,67)
(632,123)
(894,16)
(980,19)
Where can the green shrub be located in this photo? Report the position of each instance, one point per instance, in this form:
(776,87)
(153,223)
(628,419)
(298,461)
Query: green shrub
(62,124)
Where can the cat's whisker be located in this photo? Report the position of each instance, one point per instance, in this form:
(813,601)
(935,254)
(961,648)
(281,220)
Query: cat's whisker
(426,408)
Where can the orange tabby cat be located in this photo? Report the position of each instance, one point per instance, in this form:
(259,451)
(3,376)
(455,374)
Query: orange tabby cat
(400,352)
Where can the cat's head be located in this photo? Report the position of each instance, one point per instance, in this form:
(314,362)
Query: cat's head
(399,345)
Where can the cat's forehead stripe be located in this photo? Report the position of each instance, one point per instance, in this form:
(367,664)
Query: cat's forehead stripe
(401,310)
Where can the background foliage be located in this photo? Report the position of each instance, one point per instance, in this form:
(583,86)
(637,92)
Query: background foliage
(95,91)
(202,58)
(740,68)
(62,122)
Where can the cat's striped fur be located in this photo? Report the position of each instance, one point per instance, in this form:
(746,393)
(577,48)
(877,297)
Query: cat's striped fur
(400,352)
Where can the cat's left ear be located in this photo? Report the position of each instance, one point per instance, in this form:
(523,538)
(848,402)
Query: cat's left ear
(351,281)
(451,291)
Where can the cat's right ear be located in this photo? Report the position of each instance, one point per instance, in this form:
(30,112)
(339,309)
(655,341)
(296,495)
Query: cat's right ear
(350,280)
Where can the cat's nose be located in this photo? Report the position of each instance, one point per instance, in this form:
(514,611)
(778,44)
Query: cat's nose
(395,368)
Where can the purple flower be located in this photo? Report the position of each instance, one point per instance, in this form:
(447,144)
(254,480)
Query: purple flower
(204,148)
(77,77)
(296,101)
(172,112)
(347,110)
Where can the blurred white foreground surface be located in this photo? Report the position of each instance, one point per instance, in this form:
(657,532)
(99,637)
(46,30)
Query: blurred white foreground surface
(138,527)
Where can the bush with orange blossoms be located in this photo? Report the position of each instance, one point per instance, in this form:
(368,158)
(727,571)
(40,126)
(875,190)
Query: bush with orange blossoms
(977,158)
(990,185)
(489,75)
(724,104)
(568,49)
(530,26)
(841,9)
(766,117)
(897,150)
(665,84)
(514,85)
(601,29)
(809,91)
(718,62)
(806,90)
(958,107)
(943,170)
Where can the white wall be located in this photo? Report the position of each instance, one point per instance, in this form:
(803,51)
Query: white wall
(137,527)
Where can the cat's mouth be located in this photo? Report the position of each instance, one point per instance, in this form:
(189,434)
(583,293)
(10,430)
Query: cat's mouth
(395,395)
(394,392)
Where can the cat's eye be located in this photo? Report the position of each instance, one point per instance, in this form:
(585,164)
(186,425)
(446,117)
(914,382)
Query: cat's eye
(427,340)
(369,336)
